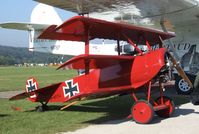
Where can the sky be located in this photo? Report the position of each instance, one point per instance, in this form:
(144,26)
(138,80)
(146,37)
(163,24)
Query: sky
(19,11)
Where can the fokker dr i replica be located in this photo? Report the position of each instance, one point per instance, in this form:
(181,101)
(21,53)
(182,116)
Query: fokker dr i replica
(107,75)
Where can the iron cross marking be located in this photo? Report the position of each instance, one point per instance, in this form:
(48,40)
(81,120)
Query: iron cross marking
(31,86)
(71,89)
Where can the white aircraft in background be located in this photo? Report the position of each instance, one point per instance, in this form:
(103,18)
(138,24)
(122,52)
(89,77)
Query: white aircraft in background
(180,16)
(43,16)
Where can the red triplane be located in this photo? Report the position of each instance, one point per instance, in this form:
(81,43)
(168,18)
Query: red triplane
(107,75)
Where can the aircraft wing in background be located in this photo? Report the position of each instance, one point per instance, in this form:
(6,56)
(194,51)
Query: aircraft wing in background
(24,26)
(133,11)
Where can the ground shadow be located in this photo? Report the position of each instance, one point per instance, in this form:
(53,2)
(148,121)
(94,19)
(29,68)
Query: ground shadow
(178,112)
(4,115)
(50,108)
(183,111)
(116,110)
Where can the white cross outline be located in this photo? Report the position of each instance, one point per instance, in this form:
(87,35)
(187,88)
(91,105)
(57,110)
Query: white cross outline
(72,85)
(33,84)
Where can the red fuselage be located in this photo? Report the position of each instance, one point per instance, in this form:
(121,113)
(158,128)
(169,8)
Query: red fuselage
(118,78)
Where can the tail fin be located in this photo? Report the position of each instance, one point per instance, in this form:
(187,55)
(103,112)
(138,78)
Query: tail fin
(31,86)
(44,14)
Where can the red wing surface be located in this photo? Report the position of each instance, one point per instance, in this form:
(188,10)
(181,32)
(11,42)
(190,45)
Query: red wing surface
(95,61)
(75,29)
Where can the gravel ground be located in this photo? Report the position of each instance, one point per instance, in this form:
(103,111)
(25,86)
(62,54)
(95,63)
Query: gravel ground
(184,121)
(9,94)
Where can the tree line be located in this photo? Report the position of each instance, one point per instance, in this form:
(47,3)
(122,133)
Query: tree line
(13,55)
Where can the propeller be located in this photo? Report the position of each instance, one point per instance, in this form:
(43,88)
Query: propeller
(177,66)
(180,70)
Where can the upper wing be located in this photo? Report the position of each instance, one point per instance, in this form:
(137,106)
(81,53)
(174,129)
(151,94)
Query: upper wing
(75,29)
(23,26)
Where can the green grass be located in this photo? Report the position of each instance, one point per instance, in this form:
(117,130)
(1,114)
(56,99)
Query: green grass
(53,121)
(14,78)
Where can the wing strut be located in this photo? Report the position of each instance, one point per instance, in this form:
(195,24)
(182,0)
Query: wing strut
(87,62)
(118,44)
(133,44)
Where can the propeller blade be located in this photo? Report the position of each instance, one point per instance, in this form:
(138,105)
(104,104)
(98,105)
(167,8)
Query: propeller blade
(180,70)
(176,65)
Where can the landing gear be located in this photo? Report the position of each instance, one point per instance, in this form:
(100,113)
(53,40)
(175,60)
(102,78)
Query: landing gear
(43,107)
(143,110)
(167,112)
(182,87)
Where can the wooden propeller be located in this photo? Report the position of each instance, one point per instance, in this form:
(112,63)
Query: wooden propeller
(176,65)
(180,70)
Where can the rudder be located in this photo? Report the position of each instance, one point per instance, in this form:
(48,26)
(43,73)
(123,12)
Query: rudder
(45,14)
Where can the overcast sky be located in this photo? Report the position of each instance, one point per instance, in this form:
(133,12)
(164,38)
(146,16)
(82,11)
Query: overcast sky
(19,11)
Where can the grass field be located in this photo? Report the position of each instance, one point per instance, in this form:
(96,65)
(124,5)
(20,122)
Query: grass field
(77,116)
(14,78)
(54,121)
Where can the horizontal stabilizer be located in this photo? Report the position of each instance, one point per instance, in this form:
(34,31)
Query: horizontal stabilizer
(20,96)
(23,26)
(46,91)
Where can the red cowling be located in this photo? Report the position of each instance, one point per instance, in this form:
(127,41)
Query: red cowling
(146,67)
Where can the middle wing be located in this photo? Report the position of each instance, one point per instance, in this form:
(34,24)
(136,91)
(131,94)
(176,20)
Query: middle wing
(95,61)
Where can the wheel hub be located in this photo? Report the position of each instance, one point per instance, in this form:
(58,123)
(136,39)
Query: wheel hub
(183,85)
(142,112)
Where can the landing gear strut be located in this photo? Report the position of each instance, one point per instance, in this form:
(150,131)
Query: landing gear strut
(43,107)
(167,112)
(143,110)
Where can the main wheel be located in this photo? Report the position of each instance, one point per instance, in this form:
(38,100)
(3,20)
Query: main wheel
(165,113)
(182,87)
(142,112)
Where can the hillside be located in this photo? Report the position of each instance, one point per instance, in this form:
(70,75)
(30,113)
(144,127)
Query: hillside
(14,55)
